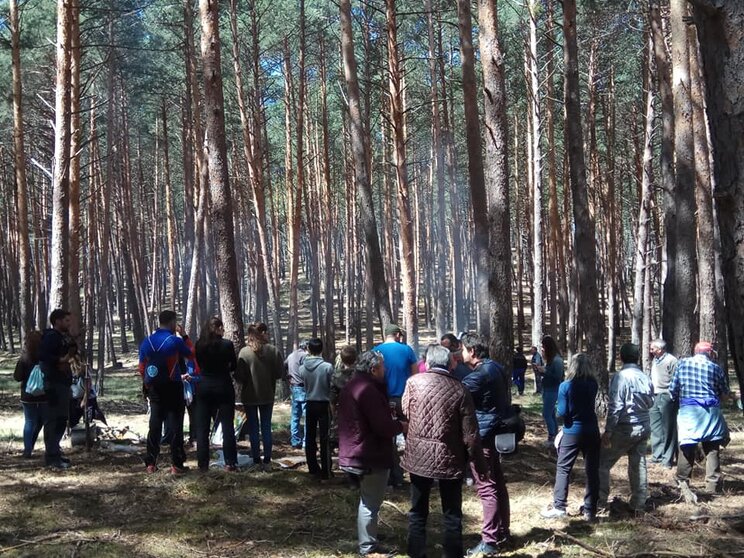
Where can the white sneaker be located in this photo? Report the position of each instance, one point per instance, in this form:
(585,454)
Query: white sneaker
(552,513)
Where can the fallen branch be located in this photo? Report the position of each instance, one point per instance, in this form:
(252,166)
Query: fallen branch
(395,507)
(583,545)
(38,540)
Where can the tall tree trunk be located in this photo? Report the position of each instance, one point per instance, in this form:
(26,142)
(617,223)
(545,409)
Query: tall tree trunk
(685,272)
(397,118)
(375,266)
(61,182)
(585,249)
(642,253)
(73,281)
(170,214)
(479,201)
(497,185)
(216,154)
(533,84)
(663,74)
(24,245)
(707,307)
(720,27)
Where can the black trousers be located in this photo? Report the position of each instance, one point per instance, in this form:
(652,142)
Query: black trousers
(317,424)
(58,411)
(588,444)
(450,491)
(166,403)
(215,398)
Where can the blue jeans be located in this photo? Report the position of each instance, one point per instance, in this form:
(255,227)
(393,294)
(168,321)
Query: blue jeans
(35,415)
(518,379)
(298,411)
(550,398)
(253,412)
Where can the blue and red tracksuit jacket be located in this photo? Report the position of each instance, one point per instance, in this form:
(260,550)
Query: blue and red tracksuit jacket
(165,350)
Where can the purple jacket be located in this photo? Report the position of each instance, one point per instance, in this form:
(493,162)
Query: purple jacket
(365,424)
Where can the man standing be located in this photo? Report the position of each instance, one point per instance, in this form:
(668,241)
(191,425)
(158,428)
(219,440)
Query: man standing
(519,367)
(442,437)
(297,389)
(163,378)
(316,374)
(451,342)
(664,412)
(627,429)
(55,354)
(400,364)
(699,385)
(365,431)
(536,360)
(491,391)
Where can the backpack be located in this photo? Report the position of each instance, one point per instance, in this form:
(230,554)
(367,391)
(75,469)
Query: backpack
(156,370)
(35,382)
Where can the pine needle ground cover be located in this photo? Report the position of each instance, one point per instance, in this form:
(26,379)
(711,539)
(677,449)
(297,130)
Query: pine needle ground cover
(105,505)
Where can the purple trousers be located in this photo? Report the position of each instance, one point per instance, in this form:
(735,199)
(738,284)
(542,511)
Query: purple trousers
(494,498)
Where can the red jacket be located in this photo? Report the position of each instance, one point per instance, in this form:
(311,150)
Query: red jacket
(365,424)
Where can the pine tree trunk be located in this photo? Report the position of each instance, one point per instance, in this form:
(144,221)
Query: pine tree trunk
(73,281)
(685,272)
(407,263)
(585,250)
(24,245)
(533,83)
(667,184)
(375,265)
(170,216)
(721,29)
(497,185)
(60,249)
(216,155)
(479,201)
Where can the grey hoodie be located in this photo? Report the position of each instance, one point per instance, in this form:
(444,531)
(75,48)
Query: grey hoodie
(316,374)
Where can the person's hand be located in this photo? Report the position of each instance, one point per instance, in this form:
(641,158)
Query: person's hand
(180,331)
(483,477)
(606,437)
(404,426)
(186,377)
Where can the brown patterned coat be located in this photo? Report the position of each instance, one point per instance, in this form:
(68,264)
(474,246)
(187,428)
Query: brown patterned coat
(442,429)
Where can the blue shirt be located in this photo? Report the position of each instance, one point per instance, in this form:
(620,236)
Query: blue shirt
(698,377)
(576,405)
(553,374)
(398,360)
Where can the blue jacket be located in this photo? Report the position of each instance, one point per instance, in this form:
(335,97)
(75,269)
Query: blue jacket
(490,388)
(576,400)
(165,350)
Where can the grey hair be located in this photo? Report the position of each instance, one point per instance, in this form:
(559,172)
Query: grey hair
(438,357)
(368,361)
(580,367)
(659,344)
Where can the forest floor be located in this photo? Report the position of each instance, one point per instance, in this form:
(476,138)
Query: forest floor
(106,505)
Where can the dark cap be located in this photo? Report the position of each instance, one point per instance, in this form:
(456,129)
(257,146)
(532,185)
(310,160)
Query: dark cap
(392,329)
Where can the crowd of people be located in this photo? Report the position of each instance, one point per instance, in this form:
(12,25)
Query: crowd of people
(449,407)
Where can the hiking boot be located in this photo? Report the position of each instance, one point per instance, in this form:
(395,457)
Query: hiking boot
(59,465)
(553,513)
(230,468)
(178,471)
(589,516)
(151,469)
(379,551)
(267,467)
(483,550)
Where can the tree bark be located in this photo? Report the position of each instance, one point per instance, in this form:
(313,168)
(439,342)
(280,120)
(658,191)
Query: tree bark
(61,182)
(24,245)
(685,272)
(478,198)
(375,266)
(497,185)
(216,153)
(585,250)
(721,31)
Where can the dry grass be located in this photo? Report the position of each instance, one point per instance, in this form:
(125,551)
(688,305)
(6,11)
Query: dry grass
(106,506)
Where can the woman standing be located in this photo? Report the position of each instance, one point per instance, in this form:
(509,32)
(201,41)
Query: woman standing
(216,394)
(34,406)
(576,397)
(260,365)
(552,376)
